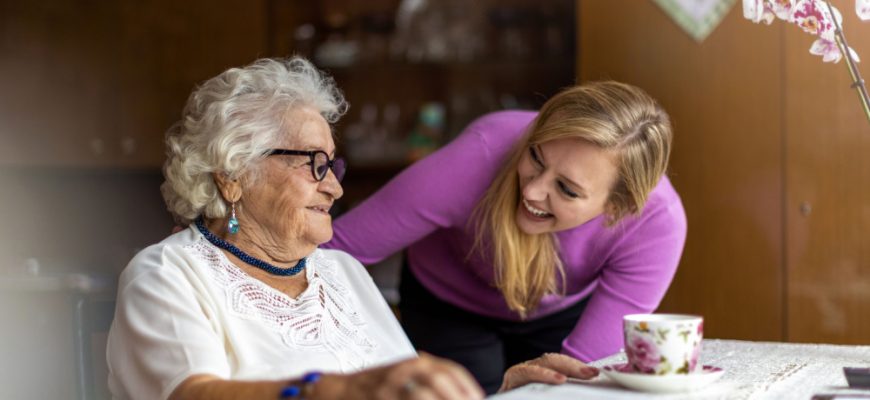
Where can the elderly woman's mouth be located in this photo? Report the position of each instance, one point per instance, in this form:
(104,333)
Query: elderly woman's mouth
(320,209)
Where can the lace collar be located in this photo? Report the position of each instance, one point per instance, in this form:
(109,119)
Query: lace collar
(322,317)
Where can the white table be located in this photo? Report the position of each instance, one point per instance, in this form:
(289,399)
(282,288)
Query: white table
(753,370)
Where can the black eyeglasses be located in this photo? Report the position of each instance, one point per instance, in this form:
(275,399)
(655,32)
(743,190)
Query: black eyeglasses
(320,162)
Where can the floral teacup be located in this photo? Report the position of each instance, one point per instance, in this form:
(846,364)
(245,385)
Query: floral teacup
(663,344)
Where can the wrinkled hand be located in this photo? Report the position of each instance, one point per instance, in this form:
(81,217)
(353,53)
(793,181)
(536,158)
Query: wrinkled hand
(549,368)
(425,377)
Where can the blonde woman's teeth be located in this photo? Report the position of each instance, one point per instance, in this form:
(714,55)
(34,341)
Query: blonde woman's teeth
(536,212)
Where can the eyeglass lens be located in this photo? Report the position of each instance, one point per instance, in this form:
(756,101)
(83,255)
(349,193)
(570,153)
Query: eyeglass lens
(321,166)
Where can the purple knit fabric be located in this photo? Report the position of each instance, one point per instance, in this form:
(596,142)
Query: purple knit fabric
(625,268)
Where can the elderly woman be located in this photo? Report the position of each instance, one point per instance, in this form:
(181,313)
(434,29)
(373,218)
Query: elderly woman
(242,303)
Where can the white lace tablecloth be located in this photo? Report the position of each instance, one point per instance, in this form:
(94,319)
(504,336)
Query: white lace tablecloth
(753,370)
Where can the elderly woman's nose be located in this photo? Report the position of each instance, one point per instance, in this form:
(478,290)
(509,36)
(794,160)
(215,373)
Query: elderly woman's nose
(330,185)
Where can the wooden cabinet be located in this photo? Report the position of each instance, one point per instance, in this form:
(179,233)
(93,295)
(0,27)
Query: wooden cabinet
(98,83)
(769,159)
(401,62)
(826,195)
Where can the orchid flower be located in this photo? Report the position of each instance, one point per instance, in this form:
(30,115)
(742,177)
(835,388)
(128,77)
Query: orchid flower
(823,20)
(812,16)
(862,8)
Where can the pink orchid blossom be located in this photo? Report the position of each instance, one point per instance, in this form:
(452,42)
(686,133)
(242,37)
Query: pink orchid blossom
(812,16)
(758,11)
(862,8)
(783,9)
(830,52)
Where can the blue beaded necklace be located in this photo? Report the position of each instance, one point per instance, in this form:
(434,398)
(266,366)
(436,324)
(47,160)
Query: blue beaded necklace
(213,239)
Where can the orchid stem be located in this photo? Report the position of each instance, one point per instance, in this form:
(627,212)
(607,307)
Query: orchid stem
(857,80)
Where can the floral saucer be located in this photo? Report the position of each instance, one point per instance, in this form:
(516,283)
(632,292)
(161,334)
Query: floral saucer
(624,375)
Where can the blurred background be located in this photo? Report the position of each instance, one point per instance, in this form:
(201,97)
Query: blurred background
(769,153)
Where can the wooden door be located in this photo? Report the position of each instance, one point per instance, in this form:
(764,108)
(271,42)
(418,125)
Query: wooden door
(725,100)
(827,200)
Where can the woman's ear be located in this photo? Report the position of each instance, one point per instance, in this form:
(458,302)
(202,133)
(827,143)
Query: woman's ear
(611,210)
(230,188)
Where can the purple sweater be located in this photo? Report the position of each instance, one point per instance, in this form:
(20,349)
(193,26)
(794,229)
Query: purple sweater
(625,269)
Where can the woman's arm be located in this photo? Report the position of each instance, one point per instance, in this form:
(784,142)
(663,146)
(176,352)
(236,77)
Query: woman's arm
(426,376)
(213,387)
(431,378)
(436,192)
(635,279)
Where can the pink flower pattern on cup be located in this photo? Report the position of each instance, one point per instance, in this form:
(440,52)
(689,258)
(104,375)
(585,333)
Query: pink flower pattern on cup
(643,355)
(693,361)
(663,344)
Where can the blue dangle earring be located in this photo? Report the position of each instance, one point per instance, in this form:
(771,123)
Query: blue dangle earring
(233,224)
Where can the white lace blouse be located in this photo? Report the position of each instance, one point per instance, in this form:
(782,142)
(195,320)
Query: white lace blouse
(183,309)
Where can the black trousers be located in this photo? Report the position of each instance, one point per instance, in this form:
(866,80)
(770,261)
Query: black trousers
(487,347)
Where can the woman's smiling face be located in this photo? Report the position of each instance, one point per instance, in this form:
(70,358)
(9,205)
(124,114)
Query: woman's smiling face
(563,184)
(287,202)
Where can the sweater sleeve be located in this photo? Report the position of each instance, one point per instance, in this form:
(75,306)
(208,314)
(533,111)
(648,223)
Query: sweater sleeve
(439,191)
(635,278)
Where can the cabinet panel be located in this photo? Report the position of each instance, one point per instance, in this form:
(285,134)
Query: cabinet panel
(168,47)
(56,106)
(724,96)
(97,83)
(827,196)
(416,73)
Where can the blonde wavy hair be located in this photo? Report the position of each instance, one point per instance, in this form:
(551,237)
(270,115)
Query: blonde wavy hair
(229,123)
(614,116)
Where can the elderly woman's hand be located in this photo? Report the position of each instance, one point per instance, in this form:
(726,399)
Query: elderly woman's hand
(425,377)
(549,368)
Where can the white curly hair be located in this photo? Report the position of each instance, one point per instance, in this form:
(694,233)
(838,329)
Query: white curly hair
(230,122)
